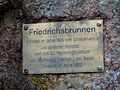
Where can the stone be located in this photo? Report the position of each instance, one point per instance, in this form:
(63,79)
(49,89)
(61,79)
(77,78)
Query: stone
(36,11)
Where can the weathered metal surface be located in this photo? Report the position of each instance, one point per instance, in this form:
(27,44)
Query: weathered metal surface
(63,47)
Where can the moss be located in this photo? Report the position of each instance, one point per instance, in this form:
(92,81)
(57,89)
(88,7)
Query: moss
(42,82)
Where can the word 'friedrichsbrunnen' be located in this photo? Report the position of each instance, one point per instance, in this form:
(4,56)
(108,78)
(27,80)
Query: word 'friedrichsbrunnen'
(60,31)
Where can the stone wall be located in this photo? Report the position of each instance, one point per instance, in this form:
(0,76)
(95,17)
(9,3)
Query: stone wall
(36,11)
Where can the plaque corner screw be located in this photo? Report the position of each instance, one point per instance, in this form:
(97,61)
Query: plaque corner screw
(99,24)
(25,27)
(26,71)
(99,68)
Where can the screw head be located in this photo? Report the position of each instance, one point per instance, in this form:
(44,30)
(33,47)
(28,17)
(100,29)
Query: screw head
(99,68)
(99,24)
(25,27)
(26,71)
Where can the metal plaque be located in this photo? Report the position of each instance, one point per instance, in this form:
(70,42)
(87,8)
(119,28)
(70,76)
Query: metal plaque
(63,47)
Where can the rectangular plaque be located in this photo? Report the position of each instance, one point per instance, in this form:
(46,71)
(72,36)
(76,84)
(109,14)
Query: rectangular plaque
(63,47)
